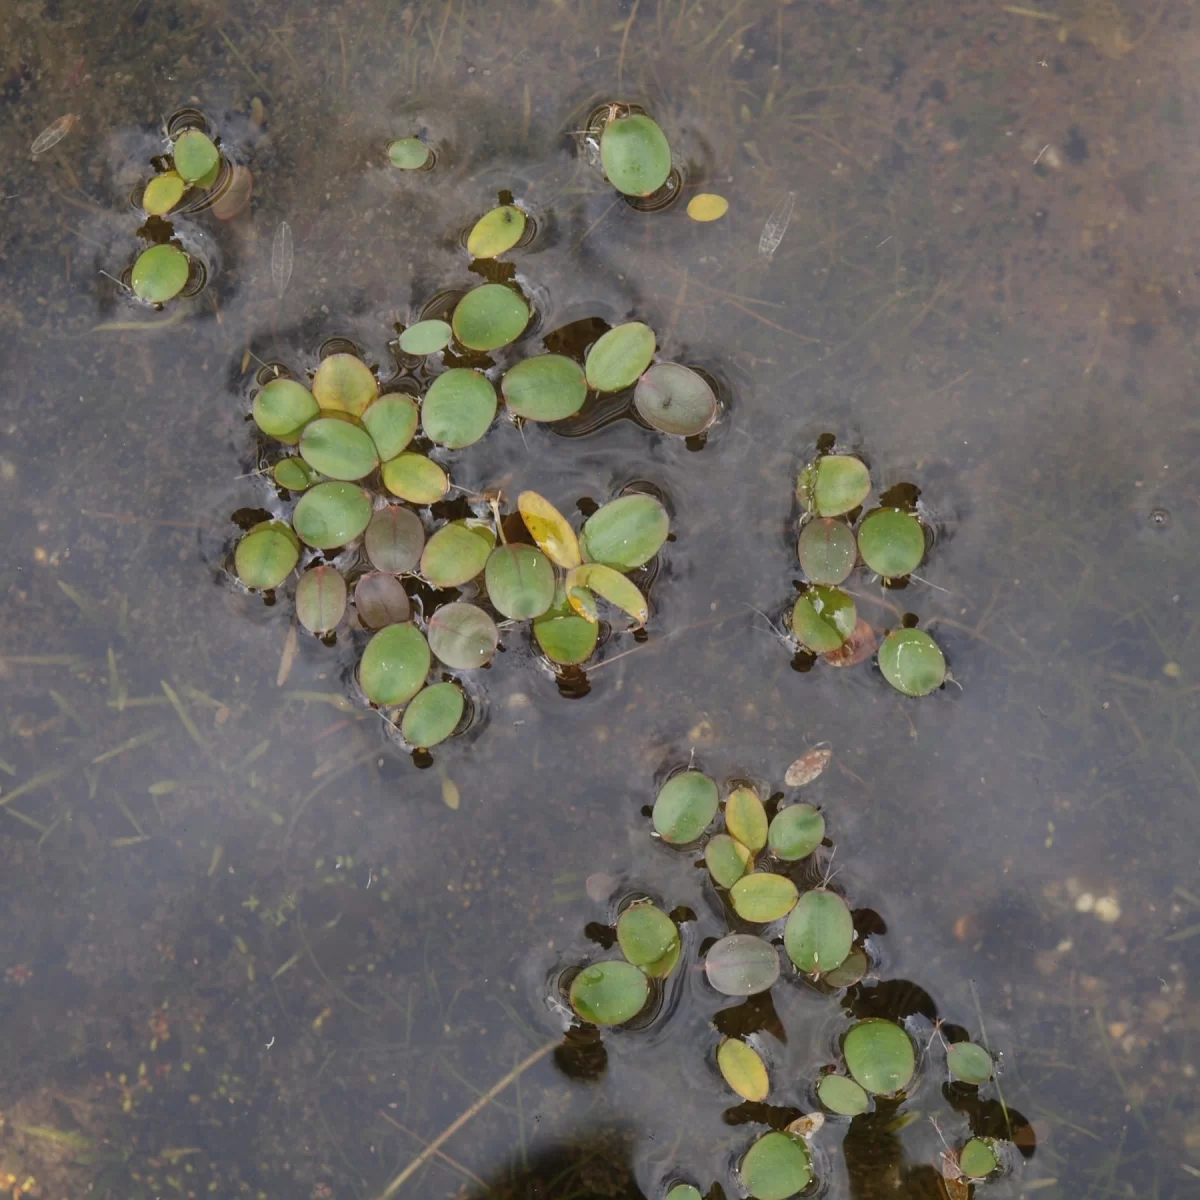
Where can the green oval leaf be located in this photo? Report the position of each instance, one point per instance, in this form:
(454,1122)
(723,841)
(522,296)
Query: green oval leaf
(619,357)
(433,715)
(609,993)
(490,316)
(415,478)
(685,807)
(380,599)
(978,1159)
(827,550)
(819,933)
(338,449)
(763,897)
(409,154)
(266,556)
(426,337)
(727,860)
(842,1096)
(746,818)
(394,665)
(969,1063)
(462,636)
(160,273)
(496,231)
(391,421)
(284,407)
(457,553)
(879,1054)
(162,193)
(519,581)
(912,662)
(458,408)
(823,618)
(344,383)
(320,599)
(332,514)
(675,399)
(547,387)
(195,155)
(564,637)
(744,1070)
(635,155)
(851,971)
(891,542)
(776,1166)
(796,832)
(294,474)
(625,533)
(834,484)
(394,539)
(741,965)
(646,934)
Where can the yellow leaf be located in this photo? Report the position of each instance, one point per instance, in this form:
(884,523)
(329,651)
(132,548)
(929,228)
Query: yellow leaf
(746,819)
(707,207)
(496,231)
(743,1070)
(609,584)
(548,527)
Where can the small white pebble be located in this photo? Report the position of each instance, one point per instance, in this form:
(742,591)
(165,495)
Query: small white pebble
(1108,910)
(1085,902)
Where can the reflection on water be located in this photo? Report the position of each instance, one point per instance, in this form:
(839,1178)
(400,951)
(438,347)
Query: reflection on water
(248,948)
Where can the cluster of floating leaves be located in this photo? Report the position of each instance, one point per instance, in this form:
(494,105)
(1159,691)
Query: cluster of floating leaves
(192,175)
(836,535)
(769,865)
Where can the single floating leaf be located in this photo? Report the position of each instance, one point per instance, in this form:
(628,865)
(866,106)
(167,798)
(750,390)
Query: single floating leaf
(834,484)
(564,638)
(859,646)
(160,273)
(380,599)
(609,993)
(162,193)
(458,408)
(284,407)
(338,449)
(796,832)
(394,665)
(646,935)
(490,316)
(727,860)
(707,206)
(519,581)
(457,553)
(852,970)
(842,1096)
(827,550)
(823,618)
(496,231)
(675,399)
(880,1056)
(415,478)
(635,155)
(777,1166)
(550,529)
(294,474)
(394,539)
(609,584)
(409,154)
(684,807)
(969,1063)
(684,1191)
(744,1070)
(819,933)
(547,387)
(891,542)
(433,715)
(619,357)
(391,421)
(462,636)
(625,533)
(912,662)
(978,1159)
(332,514)
(281,260)
(426,337)
(746,818)
(320,599)
(344,383)
(741,965)
(763,897)
(195,155)
(266,556)
(808,767)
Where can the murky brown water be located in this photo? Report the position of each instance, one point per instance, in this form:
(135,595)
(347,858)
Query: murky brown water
(239,948)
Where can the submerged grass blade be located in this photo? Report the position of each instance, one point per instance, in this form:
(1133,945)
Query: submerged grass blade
(39,780)
(139,739)
(188,724)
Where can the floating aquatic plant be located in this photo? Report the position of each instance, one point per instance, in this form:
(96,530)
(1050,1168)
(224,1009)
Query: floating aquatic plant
(635,154)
